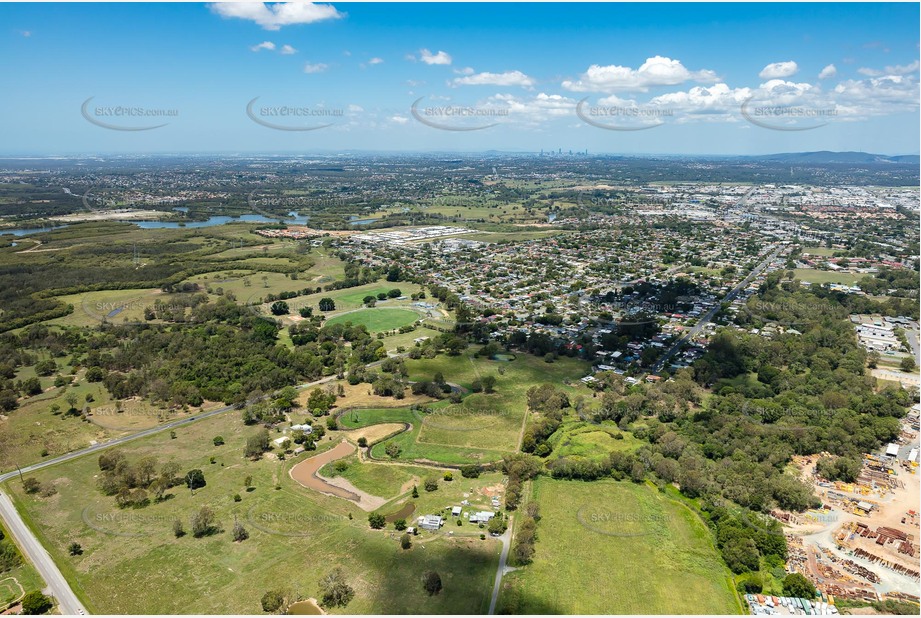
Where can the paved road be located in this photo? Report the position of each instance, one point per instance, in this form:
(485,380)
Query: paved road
(703,321)
(506,540)
(68,603)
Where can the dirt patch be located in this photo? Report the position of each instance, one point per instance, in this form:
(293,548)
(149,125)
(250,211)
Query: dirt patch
(307,474)
(372,433)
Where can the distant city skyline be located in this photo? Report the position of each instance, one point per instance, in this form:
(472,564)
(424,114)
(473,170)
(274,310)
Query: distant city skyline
(630,79)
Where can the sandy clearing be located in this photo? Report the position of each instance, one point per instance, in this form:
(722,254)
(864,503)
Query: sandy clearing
(372,433)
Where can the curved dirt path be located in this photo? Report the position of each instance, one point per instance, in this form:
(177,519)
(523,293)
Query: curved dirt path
(307,474)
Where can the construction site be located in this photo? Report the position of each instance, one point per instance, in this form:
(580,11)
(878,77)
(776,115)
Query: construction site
(862,544)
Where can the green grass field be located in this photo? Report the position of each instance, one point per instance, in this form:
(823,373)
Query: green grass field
(383,480)
(377,319)
(589,441)
(132,563)
(826,276)
(639,553)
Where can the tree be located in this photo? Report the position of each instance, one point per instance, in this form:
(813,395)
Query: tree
(203,523)
(400,524)
(908,364)
(796,585)
(497,525)
(489,383)
(257,445)
(74,549)
(218,441)
(431,582)
(336,591)
(393,450)
(32,386)
(178,530)
(362,442)
(239,533)
(273,600)
(377,521)
(431,484)
(406,541)
(327,304)
(194,479)
(415,492)
(470,471)
(31,485)
(35,603)
(280,307)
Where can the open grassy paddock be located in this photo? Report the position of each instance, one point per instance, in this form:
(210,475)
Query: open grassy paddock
(640,553)
(132,563)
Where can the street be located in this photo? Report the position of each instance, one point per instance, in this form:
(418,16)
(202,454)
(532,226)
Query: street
(705,319)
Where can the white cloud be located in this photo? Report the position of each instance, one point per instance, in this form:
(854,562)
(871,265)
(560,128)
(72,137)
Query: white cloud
(399,119)
(287,50)
(829,71)
(355,108)
(269,45)
(465,71)
(439,58)
(274,16)
(777,70)
(509,78)
(890,70)
(375,60)
(319,67)
(656,71)
(26,33)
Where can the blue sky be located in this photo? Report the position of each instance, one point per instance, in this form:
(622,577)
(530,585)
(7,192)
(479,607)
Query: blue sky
(619,78)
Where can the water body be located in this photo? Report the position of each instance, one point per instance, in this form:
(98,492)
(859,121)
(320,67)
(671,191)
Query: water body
(293,218)
(20,231)
(357,221)
(211,222)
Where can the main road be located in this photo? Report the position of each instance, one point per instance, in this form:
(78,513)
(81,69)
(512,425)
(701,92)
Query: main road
(705,319)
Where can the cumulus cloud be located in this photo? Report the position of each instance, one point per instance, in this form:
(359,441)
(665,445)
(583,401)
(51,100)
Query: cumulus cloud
(287,50)
(269,45)
(465,71)
(375,60)
(656,71)
(438,58)
(828,71)
(777,70)
(890,70)
(274,16)
(508,78)
(399,119)
(318,67)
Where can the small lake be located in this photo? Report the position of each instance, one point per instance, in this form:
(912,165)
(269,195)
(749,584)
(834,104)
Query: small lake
(356,221)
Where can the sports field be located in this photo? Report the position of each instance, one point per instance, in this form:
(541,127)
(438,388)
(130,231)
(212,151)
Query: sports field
(377,320)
